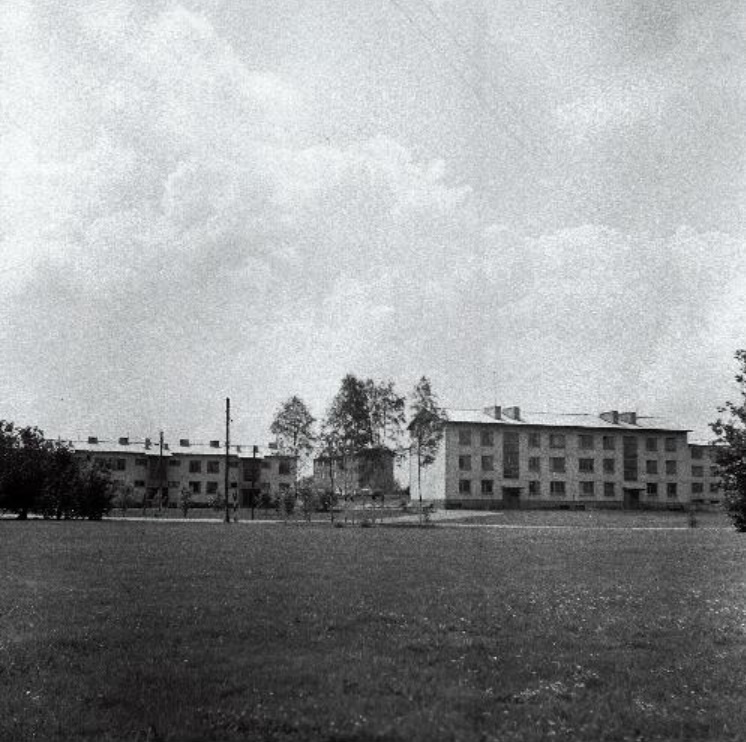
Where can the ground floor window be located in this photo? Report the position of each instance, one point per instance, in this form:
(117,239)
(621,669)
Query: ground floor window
(609,489)
(557,488)
(464,486)
(487,486)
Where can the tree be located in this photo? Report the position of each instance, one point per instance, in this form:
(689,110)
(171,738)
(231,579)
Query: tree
(386,413)
(731,452)
(425,427)
(293,426)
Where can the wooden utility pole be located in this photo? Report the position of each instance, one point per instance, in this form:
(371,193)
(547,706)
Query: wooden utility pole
(227,457)
(160,471)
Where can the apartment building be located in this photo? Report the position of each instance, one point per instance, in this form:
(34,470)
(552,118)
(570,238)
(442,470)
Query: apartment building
(503,458)
(370,470)
(149,469)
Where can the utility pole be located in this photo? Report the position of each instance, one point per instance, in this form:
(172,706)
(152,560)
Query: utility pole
(227,456)
(160,472)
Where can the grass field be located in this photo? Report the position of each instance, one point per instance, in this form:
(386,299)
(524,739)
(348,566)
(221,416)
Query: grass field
(135,631)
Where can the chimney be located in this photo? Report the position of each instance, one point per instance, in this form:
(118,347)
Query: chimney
(611,417)
(184,442)
(628,417)
(494,411)
(147,443)
(514,413)
(273,446)
(92,439)
(214,444)
(124,441)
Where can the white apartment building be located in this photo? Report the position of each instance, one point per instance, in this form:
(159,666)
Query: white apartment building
(146,469)
(503,458)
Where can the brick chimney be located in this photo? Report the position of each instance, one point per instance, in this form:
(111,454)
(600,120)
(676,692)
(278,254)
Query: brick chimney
(612,416)
(184,442)
(494,411)
(514,413)
(214,444)
(92,439)
(628,417)
(123,441)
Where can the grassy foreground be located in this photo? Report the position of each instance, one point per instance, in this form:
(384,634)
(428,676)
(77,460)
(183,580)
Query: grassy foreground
(135,631)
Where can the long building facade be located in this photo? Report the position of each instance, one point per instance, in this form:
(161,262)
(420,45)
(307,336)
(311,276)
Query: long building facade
(500,458)
(149,471)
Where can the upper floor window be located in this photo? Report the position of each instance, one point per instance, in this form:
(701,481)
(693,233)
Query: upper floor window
(556,440)
(534,440)
(464,437)
(213,467)
(671,467)
(651,444)
(670,444)
(609,443)
(284,467)
(585,466)
(488,463)
(696,452)
(488,438)
(195,467)
(698,471)
(557,465)
(585,442)
(464,463)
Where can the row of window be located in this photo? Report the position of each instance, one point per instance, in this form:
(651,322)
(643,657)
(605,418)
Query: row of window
(195,465)
(585,441)
(587,489)
(558,465)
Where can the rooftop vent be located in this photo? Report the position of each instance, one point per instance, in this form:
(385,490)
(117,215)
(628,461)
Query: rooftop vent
(612,416)
(273,446)
(514,413)
(124,441)
(184,442)
(92,439)
(148,443)
(493,411)
(214,444)
(628,417)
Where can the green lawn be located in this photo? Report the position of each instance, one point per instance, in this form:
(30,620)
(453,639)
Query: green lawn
(274,632)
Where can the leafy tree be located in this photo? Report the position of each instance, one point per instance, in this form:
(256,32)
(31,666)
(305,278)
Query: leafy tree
(293,425)
(425,427)
(185,500)
(93,493)
(349,415)
(731,453)
(386,413)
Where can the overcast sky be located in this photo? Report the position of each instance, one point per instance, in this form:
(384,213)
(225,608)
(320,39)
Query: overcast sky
(538,202)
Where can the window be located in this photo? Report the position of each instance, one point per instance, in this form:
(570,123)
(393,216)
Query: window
(714,471)
(557,465)
(629,449)
(698,471)
(557,488)
(696,452)
(651,444)
(670,467)
(174,462)
(587,489)
(671,489)
(233,464)
(488,438)
(534,440)
(652,488)
(585,442)
(139,483)
(670,444)
(585,466)
(141,462)
(284,467)
(464,486)
(196,487)
(195,467)
(464,463)
(487,487)
(609,489)
(609,443)
(488,463)
(534,488)
(714,486)
(609,466)
(697,488)
(534,463)
(556,440)
(268,464)
(464,437)
(511,463)
(121,464)
(651,466)
(213,467)
(212,488)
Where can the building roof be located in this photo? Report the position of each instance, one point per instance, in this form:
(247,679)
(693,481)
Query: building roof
(561,420)
(138,448)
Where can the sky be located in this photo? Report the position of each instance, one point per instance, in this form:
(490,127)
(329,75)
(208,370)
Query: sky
(532,202)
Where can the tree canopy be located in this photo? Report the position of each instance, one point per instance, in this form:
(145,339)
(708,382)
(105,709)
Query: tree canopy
(293,425)
(731,452)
